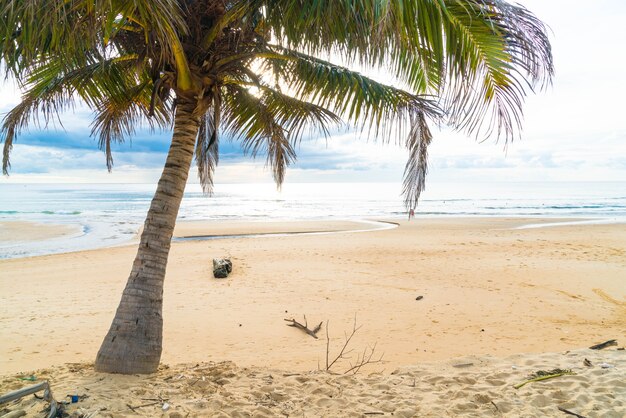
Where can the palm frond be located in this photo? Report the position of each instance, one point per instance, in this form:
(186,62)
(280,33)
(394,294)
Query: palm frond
(119,98)
(26,33)
(18,120)
(385,111)
(207,145)
(359,99)
(368,31)
(251,119)
(34,30)
(297,117)
(417,166)
(117,117)
(496,52)
(478,54)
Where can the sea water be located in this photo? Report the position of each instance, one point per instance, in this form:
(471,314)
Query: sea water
(111,214)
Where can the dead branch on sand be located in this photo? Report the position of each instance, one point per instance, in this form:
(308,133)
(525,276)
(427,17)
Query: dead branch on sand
(362,359)
(571,413)
(134,408)
(312,332)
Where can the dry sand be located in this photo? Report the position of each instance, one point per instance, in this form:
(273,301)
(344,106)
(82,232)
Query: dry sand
(487,289)
(470,387)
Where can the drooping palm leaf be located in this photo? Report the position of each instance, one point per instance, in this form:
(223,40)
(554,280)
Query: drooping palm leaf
(118,96)
(494,50)
(416,168)
(384,111)
(117,117)
(207,145)
(251,119)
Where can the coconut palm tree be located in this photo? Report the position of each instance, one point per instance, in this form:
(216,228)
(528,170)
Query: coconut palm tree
(267,73)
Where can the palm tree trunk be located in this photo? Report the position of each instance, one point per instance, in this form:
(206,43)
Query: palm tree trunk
(134,341)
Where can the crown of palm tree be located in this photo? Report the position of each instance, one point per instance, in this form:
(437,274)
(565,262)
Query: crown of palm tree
(261,71)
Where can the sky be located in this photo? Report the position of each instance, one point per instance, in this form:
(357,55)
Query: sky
(573,131)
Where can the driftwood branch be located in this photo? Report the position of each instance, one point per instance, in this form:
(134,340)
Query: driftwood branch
(343,351)
(363,359)
(603,345)
(367,357)
(571,413)
(312,332)
(134,408)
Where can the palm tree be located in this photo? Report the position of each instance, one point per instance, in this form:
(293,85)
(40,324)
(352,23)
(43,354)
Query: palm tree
(263,72)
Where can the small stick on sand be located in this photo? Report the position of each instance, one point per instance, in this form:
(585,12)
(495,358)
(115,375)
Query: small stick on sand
(603,345)
(132,408)
(571,413)
(495,406)
(543,375)
(459,366)
(305,327)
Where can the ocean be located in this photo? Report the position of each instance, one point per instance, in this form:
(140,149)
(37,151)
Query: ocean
(111,214)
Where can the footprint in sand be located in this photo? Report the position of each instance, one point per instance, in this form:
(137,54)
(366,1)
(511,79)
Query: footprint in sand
(331,403)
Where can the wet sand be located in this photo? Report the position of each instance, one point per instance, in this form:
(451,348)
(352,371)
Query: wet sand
(20,231)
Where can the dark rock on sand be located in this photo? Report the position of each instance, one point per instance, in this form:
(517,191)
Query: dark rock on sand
(222,267)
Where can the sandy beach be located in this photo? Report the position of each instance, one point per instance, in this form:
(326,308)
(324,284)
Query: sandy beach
(487,289)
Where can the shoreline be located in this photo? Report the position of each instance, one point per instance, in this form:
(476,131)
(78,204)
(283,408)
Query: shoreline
(54,232)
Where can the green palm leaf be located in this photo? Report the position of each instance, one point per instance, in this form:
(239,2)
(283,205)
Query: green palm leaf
(118,96)
(493,50)
(207,145)
(255,122)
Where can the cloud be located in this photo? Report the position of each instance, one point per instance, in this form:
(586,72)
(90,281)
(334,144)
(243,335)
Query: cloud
(342,157)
